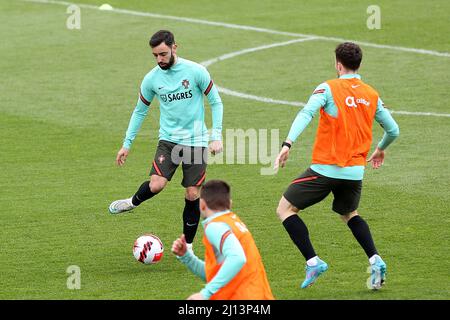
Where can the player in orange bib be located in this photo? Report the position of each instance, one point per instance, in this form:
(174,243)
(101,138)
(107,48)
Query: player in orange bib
(232,269)
(348,108)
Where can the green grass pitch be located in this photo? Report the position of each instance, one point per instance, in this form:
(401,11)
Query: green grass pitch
(66,98)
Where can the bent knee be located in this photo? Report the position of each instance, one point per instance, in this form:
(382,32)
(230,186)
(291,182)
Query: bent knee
(346,217)
(157,184)
(192,193)
(285,209)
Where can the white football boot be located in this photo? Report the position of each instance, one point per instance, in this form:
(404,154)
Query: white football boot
(120,206)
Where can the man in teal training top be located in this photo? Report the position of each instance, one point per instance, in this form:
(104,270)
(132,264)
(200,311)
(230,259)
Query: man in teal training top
(179,85)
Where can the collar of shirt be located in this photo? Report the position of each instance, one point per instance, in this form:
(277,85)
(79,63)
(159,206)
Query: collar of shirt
(350,76)
(214,216)
(175,66)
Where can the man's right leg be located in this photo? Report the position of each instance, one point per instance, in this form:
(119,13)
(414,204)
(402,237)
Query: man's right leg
(146,191)
(296,228)
(299,234)
(163,168)
(149,189)
(306,190)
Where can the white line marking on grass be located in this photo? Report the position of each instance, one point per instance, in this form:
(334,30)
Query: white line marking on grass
(226,56)
(242,95)
(305,37)
(257,98)
(248,28)
(302,104)
(409,113)
(63,3)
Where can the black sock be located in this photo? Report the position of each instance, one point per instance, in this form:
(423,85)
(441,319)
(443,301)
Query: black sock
(361,231)
(300,236)
(143,193)
(191,217)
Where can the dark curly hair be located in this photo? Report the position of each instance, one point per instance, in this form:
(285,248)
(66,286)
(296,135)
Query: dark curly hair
(160,37)
(349,54)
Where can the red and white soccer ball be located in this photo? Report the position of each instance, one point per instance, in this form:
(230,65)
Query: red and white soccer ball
(148,249)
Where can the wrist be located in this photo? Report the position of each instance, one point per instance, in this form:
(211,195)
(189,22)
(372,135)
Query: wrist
(286,143)
(206,293)
(379,148)
(186,255)
(216,135)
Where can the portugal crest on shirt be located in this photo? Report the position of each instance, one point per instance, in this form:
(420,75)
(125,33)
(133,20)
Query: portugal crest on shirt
(185,83)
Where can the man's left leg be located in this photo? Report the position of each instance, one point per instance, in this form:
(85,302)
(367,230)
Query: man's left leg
(347,194)
(191,214)
(194,175)
(361,232)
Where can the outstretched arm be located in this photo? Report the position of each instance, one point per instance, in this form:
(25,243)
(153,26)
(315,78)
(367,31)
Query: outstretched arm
(317,100)
(137,118)
(196,265)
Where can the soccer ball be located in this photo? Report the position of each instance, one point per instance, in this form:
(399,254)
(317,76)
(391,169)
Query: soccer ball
(148,249)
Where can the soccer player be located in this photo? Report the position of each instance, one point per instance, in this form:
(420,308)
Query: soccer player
(179,85)
(347,107)
(232,269)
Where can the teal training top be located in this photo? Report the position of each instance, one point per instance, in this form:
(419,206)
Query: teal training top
(323,98)
(180,91)
(232,256)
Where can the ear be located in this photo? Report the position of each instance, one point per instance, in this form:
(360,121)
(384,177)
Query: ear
(231,203)
(174,48)
(203,205)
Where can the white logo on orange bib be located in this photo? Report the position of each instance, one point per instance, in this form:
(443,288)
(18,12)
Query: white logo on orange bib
(350,102)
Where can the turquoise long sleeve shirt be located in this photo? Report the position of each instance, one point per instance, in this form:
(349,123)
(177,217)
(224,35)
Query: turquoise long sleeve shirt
(180,91)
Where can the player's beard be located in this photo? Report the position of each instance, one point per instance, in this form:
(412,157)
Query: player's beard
(166,66)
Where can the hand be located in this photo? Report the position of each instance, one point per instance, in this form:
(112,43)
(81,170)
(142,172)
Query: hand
(215,147)
(122,156)
(179,247)
(196,296)
(282,158)
(377,158)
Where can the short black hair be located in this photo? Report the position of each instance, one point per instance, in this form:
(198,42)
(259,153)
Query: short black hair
(160,37)
(349,54)
(216,194)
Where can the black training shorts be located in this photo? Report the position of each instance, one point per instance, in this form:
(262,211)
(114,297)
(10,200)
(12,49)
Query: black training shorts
(168,157)
(311,187)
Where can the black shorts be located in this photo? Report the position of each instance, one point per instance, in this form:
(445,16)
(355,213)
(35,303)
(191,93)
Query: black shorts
(168,157)
(311,187)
